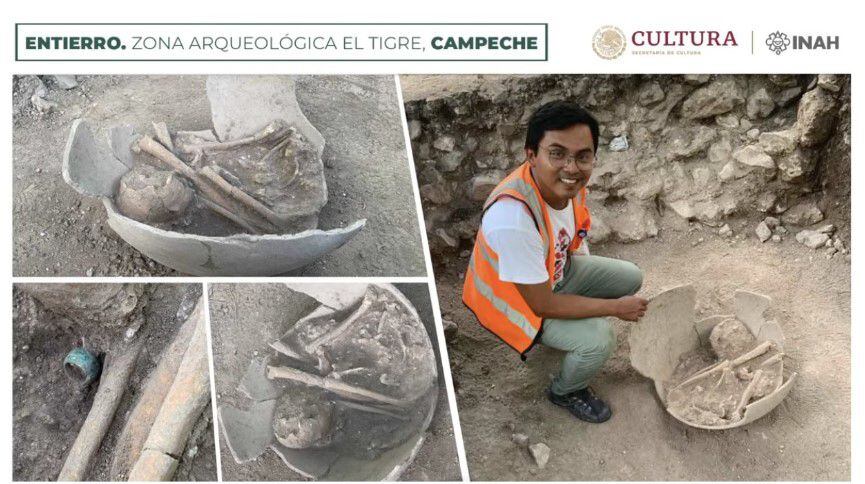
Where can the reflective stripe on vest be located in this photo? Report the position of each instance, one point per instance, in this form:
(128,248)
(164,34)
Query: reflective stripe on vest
(498,305)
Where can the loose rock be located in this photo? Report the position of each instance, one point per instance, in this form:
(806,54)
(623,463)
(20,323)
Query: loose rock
(763,232)
(619,143)
(650,94)
(779,142)
(811,238)
(829,82)
(541,453)
(816,117)
(483,184)
(445,143)
(805,213)
(760,104)
(43,106)
(521,440)
(718,97)
(752,155)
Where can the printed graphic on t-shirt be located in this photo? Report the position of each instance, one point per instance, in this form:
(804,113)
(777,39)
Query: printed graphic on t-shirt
(562,243)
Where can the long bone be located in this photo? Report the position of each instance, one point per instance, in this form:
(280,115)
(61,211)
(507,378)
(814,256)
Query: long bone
(209,190)
(182,406)
(706,372)
(343,389)
(240,196)
(111,388)
(749,392)
(275,129)
(758,351)
(772,360)
(371,409)
(219,209)
(342,328)
(140,419)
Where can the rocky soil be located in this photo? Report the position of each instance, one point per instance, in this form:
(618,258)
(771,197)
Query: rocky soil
(703,147)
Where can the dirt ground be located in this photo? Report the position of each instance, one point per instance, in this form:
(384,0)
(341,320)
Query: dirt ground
(58,232)
(233,307)
(806,438)
(49,408)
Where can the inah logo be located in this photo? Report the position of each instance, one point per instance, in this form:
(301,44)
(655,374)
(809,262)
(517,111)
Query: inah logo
(608,42)
(777,42)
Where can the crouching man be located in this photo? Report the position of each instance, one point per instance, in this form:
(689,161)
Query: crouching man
(530,278)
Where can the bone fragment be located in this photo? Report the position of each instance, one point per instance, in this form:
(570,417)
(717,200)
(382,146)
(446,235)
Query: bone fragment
(154,148)
(343,389)
(163,135)
(748,393)
(371,409)
(759,350)
(342,328)
(154,466)
(111,387)
(241,197)
(275,127)
(220,210)
(182,407)
(706,372)
(140,420)
(772,360)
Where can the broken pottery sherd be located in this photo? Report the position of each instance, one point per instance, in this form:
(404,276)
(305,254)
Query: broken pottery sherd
(248,432)
(736,365)
(264,162)
(353,387)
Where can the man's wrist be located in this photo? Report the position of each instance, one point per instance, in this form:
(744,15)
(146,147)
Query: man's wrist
(611,307)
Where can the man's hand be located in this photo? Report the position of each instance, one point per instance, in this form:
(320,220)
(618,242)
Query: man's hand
(630,308)
(547,304)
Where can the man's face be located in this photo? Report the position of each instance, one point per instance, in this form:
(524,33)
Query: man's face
(563,163)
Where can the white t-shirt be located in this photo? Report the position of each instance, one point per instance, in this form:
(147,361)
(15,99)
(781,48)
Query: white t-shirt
(510,230)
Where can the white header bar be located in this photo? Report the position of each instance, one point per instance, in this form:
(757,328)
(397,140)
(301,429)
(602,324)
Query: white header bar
(356,42)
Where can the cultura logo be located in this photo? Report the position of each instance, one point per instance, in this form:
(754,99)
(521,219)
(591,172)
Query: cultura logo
(777,42)
(609,42)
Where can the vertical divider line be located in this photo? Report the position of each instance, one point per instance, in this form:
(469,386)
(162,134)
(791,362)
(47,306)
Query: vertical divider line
(209,335)
(433,292)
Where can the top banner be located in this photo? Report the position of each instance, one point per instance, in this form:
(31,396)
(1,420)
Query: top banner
(281,42)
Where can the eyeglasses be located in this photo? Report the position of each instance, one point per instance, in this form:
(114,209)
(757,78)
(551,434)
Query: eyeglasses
(559,158)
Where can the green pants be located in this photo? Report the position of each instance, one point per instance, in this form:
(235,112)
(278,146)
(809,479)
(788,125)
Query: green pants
(589,341)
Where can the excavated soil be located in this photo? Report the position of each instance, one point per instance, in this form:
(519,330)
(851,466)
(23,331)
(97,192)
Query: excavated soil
(58,232)
(807,437)
(48,408)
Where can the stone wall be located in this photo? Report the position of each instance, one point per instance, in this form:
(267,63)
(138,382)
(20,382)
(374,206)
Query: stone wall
(700,147)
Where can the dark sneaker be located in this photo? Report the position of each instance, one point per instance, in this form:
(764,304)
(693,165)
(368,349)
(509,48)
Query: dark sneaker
(584,404)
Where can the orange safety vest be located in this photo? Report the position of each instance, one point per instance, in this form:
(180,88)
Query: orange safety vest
(498,305)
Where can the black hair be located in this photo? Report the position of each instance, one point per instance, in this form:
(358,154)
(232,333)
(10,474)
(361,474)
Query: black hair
(555,116)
